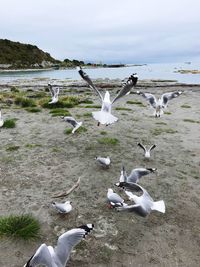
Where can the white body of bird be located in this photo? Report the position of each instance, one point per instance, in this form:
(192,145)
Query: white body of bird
(65,207)
(104,162)
(1,119)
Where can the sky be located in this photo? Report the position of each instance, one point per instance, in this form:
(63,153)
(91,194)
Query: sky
(107,31)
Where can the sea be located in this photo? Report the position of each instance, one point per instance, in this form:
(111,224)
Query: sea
(166,71)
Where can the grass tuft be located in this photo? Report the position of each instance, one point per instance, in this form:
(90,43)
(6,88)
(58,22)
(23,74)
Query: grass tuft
(81,129)
(64,102)
(190,120)
(135,103)
(103,132)
(33,110)
(185,106)
(92,106)
(158,131)
(59,112)
(24,102)
(12,148)
(121,108)
(19,226)
(10,123)
(108,141)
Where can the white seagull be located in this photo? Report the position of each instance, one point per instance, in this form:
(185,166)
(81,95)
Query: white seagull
(1,119)
(144,204)
(58,256)
(114,199)
(104,116)
(64,208)
(134,176)
(104,162)
(161,103)
(146,151)
(73,122)
(54,93)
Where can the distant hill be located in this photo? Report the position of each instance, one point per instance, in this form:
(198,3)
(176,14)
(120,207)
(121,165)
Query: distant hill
(17,55)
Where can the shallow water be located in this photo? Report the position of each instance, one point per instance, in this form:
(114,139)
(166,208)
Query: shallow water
(149,71)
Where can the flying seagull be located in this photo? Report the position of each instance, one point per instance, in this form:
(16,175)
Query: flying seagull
(54,93)
(144,204)
(58,256)
(104,162)
(73,122)
(104,116)
(161,103)
(146,151)
(135,175)
(114,199)
(1,119)
(65,207)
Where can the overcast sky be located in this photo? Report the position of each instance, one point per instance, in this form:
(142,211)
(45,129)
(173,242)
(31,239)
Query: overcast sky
(126,31)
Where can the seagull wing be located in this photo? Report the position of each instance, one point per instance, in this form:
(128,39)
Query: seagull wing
(168,96)
(68,240)
(115,198)
(71,120)
(149,97)
(132,80)
(139,210)
(90,83)
(138,188)
(56,91)
(152,147)
(139,172)
(123,176)
(51,90)
(42,257)
(143,147)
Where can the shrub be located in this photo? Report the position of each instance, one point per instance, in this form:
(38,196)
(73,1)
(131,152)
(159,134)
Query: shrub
(10,123)
(24,102)
(33,110)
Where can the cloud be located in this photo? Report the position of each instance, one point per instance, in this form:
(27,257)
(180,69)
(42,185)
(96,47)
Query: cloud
(109,31)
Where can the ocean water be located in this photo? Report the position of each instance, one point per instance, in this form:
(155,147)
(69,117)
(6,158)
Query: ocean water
(148,71)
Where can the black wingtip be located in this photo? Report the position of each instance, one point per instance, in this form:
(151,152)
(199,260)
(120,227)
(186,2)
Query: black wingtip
(87,227)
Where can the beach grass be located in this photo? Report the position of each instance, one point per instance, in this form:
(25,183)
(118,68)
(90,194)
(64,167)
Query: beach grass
(12,148)
(24,102)
(33,109)
(19,226)
(185,106)
(108,141)
(135,102)
(121,108)
(191,121)
(159,131)
(59,112)
(9,123)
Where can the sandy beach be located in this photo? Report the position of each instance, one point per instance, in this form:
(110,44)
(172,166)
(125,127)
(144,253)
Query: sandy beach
(38,160)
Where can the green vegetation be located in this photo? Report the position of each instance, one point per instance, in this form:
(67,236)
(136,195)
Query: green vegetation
(68,131)
(87,114)
(167,113)
(9,123)
(135,103)
(19,55)
(121,108)
(81,129)
(185,106)
(32,145)
(19,226)
(59,112)
(14,89)
(12,148)
(24,102)
(92,106)
(103,132)
(158,131)
(86,101)
(108,141)
(190,120)
(64,102)
(161,123)
(33,110)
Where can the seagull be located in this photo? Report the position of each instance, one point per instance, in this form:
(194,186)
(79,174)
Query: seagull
(1,119)
(54,93)
(65,207)
(161,103)
(73,122)
(104,116)
(104,162)
(58,256)
(144,204)
(134,176)
(146,151)
(114,199)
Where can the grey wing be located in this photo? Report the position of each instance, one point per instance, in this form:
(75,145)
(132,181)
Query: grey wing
(138,173)
(51,90)
(56,91)
(168,96)
(132,80)
(41,257)
(66,242)
(149,97)
(71,120)
(134,208)
(115,198)
(90,83)
(60,207)
(141,145)
(123,176)
(152,147)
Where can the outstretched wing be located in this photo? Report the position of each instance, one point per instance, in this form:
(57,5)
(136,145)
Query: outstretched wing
(71,120)
(168,96)
(134,208)
(141,145)
(149,97)
(41,257)
(132,80)
(68,240)
(88,80)
(51,89)
(56,91)
(152,147)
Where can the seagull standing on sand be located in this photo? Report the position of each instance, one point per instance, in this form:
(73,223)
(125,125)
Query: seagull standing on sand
(114,199)
(1,119)
(161,103)
(73,122)
(54,93)
(146,151)
(58,256)
(144,204)
(104,162)
(64,208)
(104,116)
(134,176)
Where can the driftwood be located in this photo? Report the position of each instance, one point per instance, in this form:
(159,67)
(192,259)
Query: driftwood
(64,194)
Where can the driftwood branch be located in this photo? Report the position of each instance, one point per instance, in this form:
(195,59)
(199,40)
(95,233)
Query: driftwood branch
(64,194)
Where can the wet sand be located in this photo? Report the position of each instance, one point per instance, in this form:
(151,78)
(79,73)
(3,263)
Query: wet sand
(47,161)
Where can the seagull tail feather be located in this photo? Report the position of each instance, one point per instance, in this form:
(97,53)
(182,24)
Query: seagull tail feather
(159,206)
